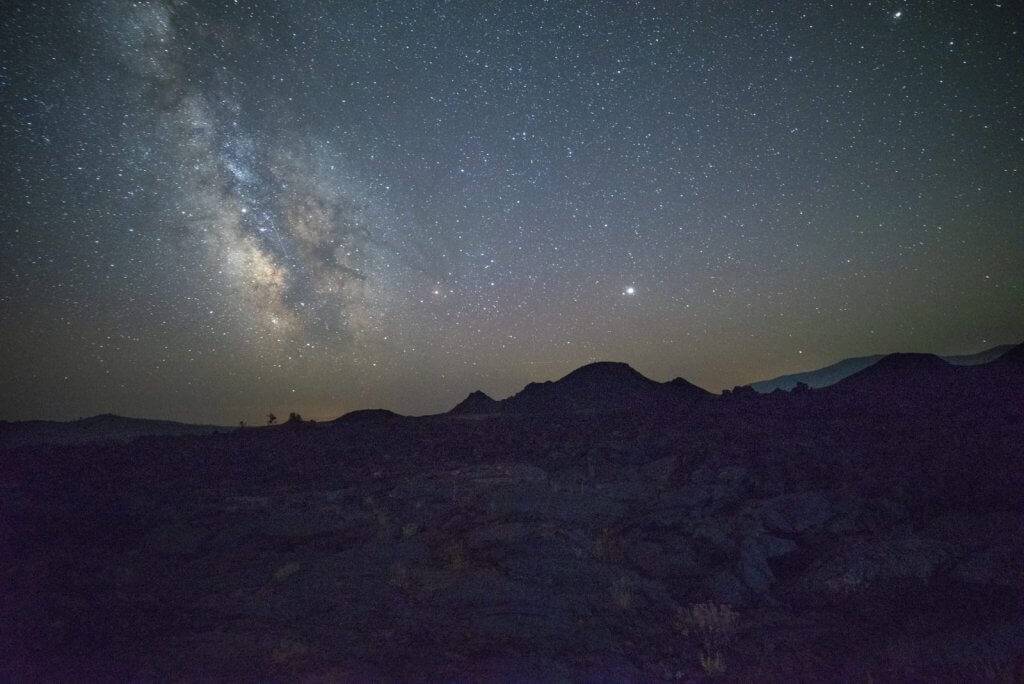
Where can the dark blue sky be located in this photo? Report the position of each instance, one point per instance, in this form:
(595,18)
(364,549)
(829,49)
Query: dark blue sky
(210,212)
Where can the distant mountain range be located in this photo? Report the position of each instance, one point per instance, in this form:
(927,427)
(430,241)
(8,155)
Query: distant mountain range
(104,427)
(829,375)
(608,387)
(602,387)
(927,379)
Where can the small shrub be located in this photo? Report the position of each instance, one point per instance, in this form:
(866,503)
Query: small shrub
(286,571)
(400,577)
(714,626)
(610,545)
(288,650)
(712,664)
(622,592)
(454,555)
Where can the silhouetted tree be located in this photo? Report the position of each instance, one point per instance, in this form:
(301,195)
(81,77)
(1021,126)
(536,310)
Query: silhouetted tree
(271,419)
(241,424)
(294,417)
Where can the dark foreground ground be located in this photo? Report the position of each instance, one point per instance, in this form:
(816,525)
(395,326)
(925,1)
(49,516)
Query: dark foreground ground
(873,530)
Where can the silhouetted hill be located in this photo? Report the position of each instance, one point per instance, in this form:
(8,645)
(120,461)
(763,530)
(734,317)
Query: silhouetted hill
(829,375)
(978,358)
(1004,377)
(367,416)
(686,390)
(898,377)
(822,377)
(604,386)
(102,427)
(477,403)
(928,384)
(1013,356)
(902,366)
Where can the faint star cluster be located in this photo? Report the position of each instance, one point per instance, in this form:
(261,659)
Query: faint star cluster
(214,210)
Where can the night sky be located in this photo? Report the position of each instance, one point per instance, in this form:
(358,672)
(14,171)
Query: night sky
(211,210)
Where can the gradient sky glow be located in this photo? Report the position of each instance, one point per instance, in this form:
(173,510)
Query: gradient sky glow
(214,210)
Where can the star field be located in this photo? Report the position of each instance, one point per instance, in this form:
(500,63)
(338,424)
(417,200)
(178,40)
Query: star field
(215,210)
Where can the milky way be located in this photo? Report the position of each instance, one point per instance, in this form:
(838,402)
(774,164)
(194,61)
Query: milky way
(214,210)
(294,240)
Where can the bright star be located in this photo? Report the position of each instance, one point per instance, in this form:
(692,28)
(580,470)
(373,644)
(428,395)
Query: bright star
(630,290)
(897,14)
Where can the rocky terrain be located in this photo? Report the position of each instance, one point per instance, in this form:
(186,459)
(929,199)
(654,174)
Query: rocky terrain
(603,528)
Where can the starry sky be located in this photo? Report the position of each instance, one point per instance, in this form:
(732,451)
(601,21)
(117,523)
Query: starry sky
(212,210)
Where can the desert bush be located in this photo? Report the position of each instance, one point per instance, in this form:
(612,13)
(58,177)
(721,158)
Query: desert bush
(610,546)
(289,650)
(712,664)
(622,593)
(714,626)
(454,555)
(400,577)
(286,571)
